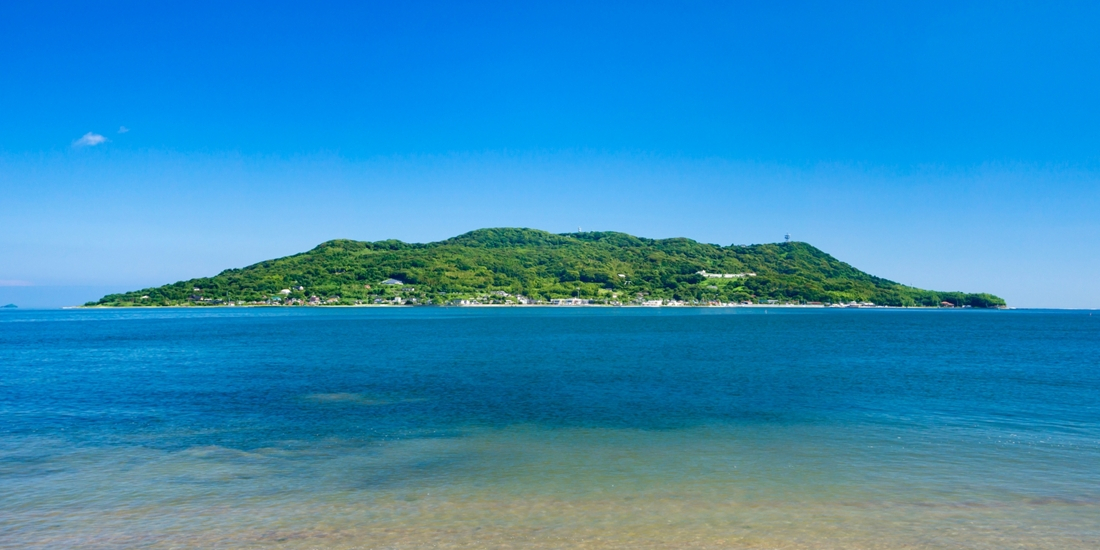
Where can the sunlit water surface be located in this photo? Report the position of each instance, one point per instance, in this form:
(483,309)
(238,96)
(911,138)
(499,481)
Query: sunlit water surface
(549,428)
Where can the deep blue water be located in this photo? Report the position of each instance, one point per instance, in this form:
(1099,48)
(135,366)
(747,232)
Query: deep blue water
(784,416)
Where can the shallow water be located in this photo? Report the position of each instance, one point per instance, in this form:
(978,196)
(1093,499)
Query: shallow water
(549,428)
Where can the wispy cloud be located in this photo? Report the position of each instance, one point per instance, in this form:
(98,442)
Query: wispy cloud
(12,282)
(89,140)
(123,129)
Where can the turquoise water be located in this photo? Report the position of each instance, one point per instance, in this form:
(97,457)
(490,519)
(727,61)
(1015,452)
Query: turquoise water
(549,428)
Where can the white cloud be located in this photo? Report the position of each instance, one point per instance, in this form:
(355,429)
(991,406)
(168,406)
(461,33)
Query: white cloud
(89,140)
(123,129)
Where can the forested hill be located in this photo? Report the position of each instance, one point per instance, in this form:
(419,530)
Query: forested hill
(515,265)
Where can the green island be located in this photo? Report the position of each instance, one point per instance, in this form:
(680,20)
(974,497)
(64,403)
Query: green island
(507,266)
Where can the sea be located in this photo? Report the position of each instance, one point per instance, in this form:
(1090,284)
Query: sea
(541,427)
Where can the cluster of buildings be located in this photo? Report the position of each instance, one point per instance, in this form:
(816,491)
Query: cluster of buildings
(503,298)
(497,297)
(500,297)
(398,301)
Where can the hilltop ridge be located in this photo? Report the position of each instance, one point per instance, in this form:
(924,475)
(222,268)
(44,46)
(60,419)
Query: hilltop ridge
(520,265)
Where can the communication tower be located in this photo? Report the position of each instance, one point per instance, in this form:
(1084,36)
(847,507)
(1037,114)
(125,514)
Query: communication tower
(787,238)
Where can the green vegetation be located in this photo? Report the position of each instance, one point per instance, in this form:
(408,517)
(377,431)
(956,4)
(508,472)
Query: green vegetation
(513,265)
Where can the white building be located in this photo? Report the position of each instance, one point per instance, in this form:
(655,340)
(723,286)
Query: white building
(725,275)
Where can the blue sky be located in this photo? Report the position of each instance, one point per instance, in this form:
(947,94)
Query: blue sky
(950,146)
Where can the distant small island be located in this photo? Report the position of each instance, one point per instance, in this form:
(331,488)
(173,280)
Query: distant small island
(9,306)
(507,266)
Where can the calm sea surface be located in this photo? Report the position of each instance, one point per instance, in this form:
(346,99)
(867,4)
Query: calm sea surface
(549,428)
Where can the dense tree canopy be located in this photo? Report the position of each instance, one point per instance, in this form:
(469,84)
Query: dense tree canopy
(502,264)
